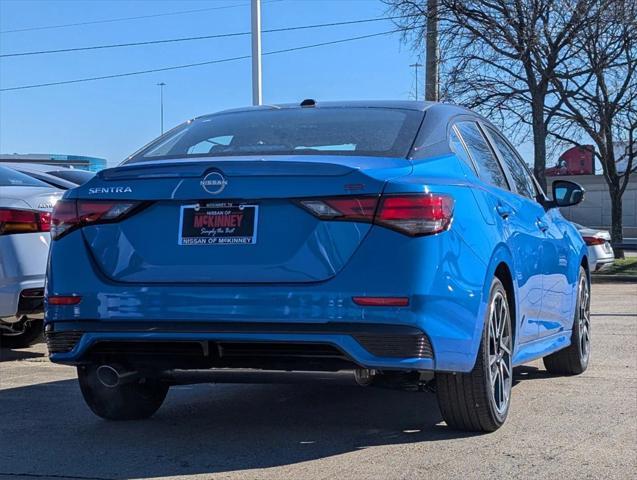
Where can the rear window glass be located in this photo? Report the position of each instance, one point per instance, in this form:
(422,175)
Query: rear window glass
(381,132)
(12,178)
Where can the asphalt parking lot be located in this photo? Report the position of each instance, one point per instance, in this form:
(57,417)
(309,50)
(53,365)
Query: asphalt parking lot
(576,427)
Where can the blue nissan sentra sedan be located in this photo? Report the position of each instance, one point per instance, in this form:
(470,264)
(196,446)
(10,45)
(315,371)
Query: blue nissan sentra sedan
(405,241)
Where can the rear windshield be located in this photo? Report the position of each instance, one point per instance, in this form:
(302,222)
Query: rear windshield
(380,132)
(12,178)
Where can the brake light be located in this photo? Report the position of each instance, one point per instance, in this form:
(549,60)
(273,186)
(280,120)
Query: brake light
(71,214)
(416,214)
(343,208)
(594,241)
(23,221)
(411,214)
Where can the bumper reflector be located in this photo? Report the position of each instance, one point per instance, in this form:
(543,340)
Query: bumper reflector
(63,299)
(381,301)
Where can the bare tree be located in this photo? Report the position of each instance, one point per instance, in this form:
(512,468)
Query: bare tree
(500,56)
(598,93)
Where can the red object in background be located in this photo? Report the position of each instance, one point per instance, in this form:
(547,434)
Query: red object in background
(575,161)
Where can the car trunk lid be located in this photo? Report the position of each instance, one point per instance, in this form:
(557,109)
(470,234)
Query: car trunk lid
(249,203)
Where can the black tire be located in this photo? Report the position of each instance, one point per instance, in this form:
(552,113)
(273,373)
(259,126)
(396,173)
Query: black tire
(574,359)
(468,400)
(130,401)
(27,333)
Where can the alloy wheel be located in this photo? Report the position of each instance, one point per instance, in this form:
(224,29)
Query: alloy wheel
(500,341)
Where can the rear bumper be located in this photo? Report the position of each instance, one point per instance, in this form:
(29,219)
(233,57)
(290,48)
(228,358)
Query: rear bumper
(599,258)
(22,298)
(377,346)
(23,260)
(445,301)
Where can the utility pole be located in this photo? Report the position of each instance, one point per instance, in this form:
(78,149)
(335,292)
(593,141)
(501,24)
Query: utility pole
(257,98)
(431,73)
(161,86)
(416,66)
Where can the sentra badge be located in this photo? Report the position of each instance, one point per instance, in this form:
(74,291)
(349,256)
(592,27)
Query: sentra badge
(93,191)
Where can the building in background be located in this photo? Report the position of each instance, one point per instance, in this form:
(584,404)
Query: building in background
(579,160)
(578,163)
(92,164)
(622,154)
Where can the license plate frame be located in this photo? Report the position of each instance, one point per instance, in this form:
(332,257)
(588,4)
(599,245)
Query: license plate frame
(218,224)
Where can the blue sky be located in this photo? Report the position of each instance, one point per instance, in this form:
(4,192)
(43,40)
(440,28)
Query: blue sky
(112,118)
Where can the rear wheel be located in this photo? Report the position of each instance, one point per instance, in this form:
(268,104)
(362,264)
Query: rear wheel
(128,401)
(573,360)
(479,400)
(21,334)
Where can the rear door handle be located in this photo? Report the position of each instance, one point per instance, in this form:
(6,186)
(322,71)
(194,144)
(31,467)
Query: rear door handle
(542,225)
(504,210)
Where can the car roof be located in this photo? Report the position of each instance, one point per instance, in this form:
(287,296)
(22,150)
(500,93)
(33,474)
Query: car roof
(35,167)
(395,104)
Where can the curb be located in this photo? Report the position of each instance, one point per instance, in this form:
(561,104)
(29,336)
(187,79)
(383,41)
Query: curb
(597,278)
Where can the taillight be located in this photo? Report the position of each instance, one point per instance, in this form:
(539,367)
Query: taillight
(71,214)
(23,221)
(594,241)
(416,214)
(411,214)
(343,208)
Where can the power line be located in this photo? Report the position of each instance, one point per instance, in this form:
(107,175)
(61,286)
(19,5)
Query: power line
(199,64)
(122,19)
(202,37)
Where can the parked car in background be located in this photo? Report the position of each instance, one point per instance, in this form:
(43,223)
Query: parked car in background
(403,240)
(600,251)
(58,177)
(25,220)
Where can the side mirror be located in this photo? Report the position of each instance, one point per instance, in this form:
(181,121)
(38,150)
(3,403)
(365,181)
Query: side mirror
(566,194)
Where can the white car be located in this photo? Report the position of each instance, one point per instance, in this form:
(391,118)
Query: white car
(25,216)
(600,251)
(56,176)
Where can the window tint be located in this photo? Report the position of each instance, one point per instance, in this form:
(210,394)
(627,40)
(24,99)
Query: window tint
(519,173)
(460,150)
(488,167)
(12,178)
(381,132)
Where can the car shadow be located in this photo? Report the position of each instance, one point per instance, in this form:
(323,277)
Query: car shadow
(8,354)
(529,372)
(212,428)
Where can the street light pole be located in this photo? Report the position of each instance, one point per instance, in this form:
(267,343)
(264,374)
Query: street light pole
(256,53)
(415,67)
(161,86)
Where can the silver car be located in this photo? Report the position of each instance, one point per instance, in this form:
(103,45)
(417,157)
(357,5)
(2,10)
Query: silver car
(56,176)
(600,251)
(25,215)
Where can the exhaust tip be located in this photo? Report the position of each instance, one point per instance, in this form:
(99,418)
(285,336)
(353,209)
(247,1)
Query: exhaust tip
(108,376)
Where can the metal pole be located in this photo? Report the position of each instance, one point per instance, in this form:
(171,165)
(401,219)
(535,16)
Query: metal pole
(431,74)
(256,53)
(416,66)
(161,86)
